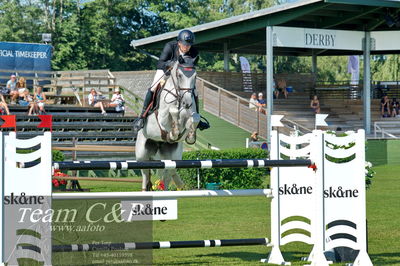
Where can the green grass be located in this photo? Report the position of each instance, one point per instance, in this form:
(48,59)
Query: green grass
(245,217)
(383,213)
(222,134)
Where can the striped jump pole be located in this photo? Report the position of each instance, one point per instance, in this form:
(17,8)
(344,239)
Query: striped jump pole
(157,245)
(176,164)
(164,194)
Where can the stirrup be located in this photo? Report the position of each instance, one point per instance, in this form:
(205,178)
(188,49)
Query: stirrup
(203,125)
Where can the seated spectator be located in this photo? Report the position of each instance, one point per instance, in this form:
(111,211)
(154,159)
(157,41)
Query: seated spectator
(253,103)
(24,98)
(11,88)
(262,103)
(33,107)
(21,87)
(395,107)
(254,136)
(94,100)
(117,101)
(385,106)
(3,105)
(40,99)
(314,104)
(281,87)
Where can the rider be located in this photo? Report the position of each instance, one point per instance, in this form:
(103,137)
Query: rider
(183,46)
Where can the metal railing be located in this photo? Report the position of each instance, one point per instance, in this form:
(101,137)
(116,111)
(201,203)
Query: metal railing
(378,129)
(231,108)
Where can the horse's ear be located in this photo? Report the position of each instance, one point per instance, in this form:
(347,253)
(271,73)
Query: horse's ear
(196,59)
(181,60)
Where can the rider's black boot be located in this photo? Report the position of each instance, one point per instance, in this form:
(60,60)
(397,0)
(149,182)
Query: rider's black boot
(202,125)
(139,122)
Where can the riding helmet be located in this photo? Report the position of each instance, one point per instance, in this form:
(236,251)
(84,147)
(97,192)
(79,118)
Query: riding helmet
(186,37)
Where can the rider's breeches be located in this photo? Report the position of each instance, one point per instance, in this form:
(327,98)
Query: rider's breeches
(157,78)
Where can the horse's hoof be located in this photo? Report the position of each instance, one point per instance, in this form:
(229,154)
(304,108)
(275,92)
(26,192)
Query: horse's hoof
(191,138)
(171,138)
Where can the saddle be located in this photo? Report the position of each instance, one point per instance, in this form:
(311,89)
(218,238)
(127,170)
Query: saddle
(155,101)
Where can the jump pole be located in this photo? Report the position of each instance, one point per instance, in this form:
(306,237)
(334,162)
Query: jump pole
(158,245)
(164,194)
(176,164)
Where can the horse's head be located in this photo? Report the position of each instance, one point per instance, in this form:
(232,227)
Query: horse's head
(184,72)
(184,79)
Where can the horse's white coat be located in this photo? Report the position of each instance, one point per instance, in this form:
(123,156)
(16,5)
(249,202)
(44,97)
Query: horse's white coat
(178,118)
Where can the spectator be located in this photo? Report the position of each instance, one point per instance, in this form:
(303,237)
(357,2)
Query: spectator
(94,100)
(33,107)
(40,100)
(253,103)
(395,107)
(261,103)
(385,108)
(3,105)
(281,87)
(21,87)
(254,136)
(24,99)
(314,104)
(117,101)
(12,88)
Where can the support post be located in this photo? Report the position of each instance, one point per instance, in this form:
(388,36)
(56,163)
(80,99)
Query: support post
(314,63)
(269,80)
(226,57)
(367,83)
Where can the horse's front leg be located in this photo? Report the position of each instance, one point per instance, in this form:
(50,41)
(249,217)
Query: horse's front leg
(174,133)
(191,126)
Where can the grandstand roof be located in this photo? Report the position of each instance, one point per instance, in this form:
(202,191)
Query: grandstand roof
(245,33)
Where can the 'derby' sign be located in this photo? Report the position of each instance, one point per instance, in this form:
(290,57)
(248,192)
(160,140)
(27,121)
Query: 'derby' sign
(318,38)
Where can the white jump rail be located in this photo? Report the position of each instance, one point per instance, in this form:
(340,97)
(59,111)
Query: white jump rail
(164,194)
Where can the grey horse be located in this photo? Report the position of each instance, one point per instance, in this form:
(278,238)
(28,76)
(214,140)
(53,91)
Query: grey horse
(175,121)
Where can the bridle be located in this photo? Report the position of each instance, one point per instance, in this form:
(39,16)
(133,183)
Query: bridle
(176,92)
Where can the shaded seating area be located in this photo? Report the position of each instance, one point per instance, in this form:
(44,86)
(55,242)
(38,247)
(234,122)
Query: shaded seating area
(79,125)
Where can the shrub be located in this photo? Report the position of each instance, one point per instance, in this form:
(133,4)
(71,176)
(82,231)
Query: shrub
(230,178)
(58,156)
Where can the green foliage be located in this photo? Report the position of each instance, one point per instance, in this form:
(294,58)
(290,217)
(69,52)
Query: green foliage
(230,178)
(57,156)
(96,34)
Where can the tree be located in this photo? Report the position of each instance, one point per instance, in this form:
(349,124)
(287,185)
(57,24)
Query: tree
(20,21)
